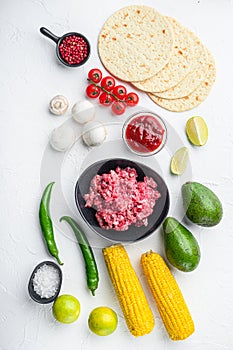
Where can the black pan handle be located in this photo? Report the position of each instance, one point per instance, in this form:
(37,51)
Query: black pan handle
(49,34)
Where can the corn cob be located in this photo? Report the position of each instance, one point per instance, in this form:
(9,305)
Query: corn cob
(138,315)
(169,299)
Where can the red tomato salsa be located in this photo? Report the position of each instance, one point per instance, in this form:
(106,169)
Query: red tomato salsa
(144,133)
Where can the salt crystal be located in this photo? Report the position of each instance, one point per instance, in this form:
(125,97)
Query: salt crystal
(46,281)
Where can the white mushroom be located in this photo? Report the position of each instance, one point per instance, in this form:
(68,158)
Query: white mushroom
(62,138)
(83,112)
(58,105)
(94,133)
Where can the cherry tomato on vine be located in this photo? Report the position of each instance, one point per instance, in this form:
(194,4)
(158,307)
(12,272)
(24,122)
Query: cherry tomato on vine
(120,91)
(92,91)
(106,99)
(118,107)
(131,99)
(108,83)
(95,75)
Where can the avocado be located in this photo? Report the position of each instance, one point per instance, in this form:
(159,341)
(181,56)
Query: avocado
(181,247)
(201,205)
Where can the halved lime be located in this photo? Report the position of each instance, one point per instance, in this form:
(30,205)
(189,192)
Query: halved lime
(179,161)
(197,131)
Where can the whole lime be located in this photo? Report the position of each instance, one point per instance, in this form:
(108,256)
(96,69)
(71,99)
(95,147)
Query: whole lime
(102,321)
(66,308)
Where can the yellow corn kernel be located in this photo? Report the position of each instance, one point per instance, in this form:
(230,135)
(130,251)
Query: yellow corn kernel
(167,294)
(138,315)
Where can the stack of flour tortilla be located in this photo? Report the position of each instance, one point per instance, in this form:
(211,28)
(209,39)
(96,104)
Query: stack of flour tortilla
(157,55)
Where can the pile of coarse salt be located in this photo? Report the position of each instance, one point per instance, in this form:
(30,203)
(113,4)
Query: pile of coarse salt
(46,281)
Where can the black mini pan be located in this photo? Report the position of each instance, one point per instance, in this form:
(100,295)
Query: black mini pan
(36,297)
(58,41)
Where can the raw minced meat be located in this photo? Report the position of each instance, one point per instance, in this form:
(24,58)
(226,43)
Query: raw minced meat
(120,200)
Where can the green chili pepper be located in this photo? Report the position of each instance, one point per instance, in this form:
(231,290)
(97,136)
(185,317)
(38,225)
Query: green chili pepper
(46,222)
(89,259)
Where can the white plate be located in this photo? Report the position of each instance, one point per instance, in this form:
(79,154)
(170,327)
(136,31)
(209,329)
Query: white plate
(65,168)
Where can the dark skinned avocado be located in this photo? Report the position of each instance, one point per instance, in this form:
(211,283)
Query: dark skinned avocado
(181,247)
(201,205)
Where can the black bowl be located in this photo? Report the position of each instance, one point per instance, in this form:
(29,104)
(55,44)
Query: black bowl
(31,290)
(133,234)
(58,41)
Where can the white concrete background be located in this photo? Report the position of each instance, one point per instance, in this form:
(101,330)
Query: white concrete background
(30,77)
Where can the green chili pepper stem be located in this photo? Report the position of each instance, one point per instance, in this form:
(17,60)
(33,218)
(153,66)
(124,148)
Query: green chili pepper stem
(46,222)
(92,274)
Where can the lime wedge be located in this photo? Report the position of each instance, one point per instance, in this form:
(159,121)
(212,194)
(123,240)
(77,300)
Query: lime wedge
(179,161)
(197,131)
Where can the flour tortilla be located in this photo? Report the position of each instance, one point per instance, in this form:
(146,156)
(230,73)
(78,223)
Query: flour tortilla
(196,97)
(135,43)
(181,62)
(194,77)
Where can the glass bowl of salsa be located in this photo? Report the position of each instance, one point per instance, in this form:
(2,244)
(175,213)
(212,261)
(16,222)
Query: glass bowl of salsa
(144,133)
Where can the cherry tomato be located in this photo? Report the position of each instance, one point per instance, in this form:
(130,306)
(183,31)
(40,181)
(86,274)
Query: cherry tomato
(92,91)
(95,75)
(120,91)
(132,99)
(118,107)
(106,99)
(108,83)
